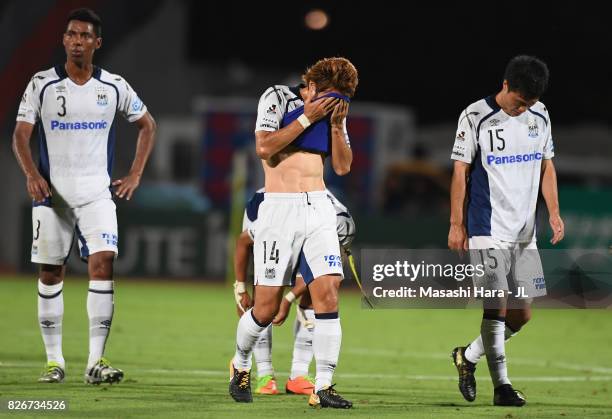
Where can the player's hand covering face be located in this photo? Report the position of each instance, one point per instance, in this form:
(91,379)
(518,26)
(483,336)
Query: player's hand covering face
(315,110)
(340,112)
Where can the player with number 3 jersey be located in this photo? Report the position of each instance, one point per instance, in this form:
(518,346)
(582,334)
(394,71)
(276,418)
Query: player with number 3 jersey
(74,106)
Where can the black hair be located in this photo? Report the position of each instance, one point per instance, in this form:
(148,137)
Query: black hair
(527,75)
(89,16)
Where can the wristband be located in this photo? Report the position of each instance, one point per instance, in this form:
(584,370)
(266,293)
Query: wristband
(239,287)
(304,121)
(290,297)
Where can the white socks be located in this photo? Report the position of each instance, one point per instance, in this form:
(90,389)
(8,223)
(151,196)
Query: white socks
(247,335)
(263,353)
(476,350)
(492,332)
(50,314)
(326,347)
(100,311)
(302,347)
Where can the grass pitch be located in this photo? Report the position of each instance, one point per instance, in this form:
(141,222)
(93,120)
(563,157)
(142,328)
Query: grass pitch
(174,342)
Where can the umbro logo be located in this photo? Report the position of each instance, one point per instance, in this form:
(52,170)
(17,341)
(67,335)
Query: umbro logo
(271,109)
(494,122)
(47,324)
(106,323)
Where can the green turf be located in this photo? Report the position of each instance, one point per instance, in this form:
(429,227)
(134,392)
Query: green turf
(174,341)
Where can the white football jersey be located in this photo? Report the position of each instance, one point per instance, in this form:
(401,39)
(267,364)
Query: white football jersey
(77,132)
(506,156)
(344,221)
(277,101)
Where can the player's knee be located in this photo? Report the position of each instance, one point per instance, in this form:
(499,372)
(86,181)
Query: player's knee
(264,314)
(523,318)
(51,274)
(264,311)
(516,319)
(329,302)
(101,265)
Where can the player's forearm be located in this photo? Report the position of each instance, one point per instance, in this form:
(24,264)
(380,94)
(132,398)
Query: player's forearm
(241,261)
(457,197)
(243,250)
(23,153)
(342,155)
(299,288)
(144,146)
(270,143)
(549,188)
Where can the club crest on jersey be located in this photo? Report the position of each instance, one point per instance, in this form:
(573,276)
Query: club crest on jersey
(533,128)
(102,99)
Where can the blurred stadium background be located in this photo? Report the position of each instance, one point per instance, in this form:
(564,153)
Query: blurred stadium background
(200,68)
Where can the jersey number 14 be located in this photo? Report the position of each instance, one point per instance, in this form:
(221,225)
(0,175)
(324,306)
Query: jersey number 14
(273,252)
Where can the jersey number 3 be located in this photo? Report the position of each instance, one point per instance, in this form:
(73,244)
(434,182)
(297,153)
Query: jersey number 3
(63,105)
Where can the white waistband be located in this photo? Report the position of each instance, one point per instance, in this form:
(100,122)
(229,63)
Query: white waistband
(295,195)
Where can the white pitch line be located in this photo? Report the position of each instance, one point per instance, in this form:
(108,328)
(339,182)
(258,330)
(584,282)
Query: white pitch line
(413,377)
(442,356)
(351,350)
(388,376)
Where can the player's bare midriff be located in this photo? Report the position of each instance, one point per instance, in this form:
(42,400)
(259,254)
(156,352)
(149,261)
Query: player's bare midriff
(292,170)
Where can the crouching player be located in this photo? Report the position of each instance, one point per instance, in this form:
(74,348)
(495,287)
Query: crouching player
(299,381)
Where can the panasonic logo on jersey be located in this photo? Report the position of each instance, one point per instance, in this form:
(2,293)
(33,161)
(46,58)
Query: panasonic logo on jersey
(77,125)
(517,158)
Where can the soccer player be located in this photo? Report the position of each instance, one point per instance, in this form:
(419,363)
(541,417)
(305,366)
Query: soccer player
(296,129)
(74,106)
(299,382)
(502,149)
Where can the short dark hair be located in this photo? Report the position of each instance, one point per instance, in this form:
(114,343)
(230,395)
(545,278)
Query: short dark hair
(89,16)
(527,75)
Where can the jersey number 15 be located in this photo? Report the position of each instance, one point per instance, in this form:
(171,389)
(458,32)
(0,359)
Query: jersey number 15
(503,142)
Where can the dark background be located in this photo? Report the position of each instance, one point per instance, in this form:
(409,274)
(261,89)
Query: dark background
(424,61)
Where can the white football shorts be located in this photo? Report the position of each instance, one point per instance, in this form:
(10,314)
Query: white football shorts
(54,230)
(508,266)
(295,230)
